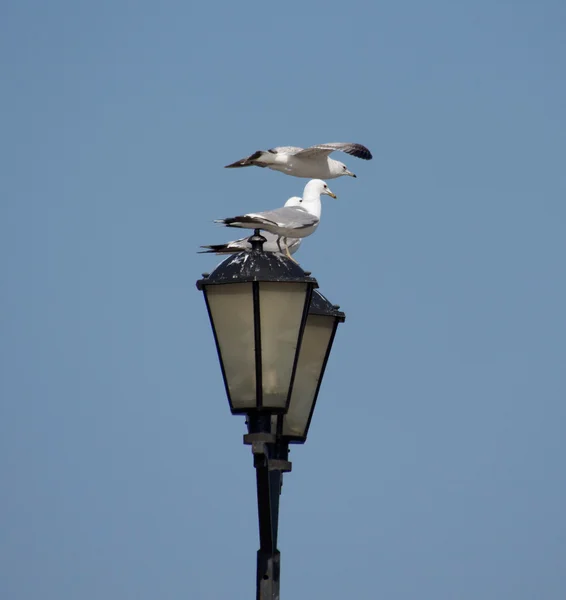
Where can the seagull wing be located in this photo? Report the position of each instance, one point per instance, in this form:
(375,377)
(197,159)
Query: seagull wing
(290,150)
(290,217)
(356,150)
(270,245)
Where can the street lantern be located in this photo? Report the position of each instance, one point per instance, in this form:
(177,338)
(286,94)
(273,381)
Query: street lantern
(273,335)
(320,329)
(258,304)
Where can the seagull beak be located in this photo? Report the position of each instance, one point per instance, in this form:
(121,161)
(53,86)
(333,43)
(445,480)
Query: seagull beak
(332,194)
(350,174)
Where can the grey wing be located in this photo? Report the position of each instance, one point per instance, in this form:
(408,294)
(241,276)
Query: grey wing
(285,150)
(288,216)
(241,244)
(356,150)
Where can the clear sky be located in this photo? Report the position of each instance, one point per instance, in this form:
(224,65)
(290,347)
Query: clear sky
(435,463)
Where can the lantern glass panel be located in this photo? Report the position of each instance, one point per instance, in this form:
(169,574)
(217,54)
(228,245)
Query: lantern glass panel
(281,312)
(316,338)
(231,309)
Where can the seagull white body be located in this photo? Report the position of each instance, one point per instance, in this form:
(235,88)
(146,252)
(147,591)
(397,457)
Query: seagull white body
(313,162)
(272,242)
(289,221)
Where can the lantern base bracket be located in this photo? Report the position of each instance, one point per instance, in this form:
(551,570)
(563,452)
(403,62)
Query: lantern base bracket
(267,438)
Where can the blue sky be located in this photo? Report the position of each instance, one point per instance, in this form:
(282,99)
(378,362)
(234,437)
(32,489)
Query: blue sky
(435,462)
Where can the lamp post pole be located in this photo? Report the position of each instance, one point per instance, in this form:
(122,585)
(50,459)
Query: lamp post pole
(270,462)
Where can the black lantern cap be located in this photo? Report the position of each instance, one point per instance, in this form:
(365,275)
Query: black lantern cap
(322,306)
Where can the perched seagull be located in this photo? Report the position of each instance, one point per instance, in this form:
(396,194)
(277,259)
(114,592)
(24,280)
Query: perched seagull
(313,162)
(289,221)
(272,243)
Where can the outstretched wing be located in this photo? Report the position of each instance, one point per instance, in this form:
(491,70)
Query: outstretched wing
(356,150)
(290,150)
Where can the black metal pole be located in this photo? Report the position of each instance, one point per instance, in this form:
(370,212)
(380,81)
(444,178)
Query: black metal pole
(270,462)
(268,556)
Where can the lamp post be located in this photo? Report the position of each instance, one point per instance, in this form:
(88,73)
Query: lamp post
(273,335)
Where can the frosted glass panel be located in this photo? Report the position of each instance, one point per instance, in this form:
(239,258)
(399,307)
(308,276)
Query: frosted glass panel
(316,338)
(231,306)
(281,310)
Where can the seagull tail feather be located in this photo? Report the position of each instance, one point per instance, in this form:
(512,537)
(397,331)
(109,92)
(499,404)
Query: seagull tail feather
(218,249)
(249,161)
(242,221)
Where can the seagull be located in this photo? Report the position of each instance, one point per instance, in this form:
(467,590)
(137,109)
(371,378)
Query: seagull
(289,221)
(313,162)
(272,242)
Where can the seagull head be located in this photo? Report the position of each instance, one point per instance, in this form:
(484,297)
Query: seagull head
(317,188)
(343,170)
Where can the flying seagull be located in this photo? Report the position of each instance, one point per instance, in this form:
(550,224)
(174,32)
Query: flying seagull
(272,242)
(313,162)
(289,221)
